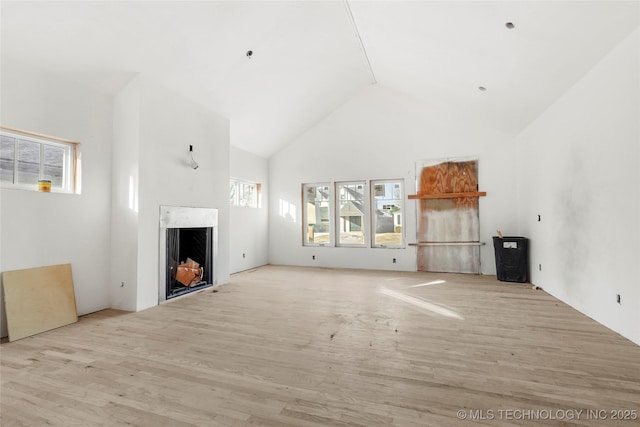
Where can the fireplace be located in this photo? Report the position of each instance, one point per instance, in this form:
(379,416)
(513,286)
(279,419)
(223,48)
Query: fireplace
(188,246)
(189,260)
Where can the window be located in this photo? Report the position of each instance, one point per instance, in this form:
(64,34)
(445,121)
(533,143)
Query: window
(351,213)
(355,208)
(26,158)
(244,194)
(386,212)
(317,214)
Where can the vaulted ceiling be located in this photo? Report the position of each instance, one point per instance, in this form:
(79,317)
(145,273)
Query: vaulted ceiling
(310,57)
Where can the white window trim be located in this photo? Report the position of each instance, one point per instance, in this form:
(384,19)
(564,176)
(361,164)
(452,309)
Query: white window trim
(332,219)
(365,215)
(372,202)
(257,200)
(71,179)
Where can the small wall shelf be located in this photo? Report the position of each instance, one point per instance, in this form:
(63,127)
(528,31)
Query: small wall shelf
(447,195)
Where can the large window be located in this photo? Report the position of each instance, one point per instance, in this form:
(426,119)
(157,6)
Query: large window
(351,206)
(244,193)
(26,158)
(387,213)
(359,214)
(317,202)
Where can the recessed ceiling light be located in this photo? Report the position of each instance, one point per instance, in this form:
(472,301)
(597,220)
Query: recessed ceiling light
(249,54)
(482,88)
(510,25)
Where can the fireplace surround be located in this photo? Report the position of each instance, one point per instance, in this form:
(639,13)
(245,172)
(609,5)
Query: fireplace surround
(187,235)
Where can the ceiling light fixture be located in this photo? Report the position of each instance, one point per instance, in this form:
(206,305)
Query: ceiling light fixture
(363,51)
(510,25)
(249,54)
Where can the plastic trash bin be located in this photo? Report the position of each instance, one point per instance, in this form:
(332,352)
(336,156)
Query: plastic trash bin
(512,258)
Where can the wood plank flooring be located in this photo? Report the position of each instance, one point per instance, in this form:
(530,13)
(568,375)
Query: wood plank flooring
(287,346)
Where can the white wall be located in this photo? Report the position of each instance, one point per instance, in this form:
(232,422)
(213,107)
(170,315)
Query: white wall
(167,124)
(381,134)
(39,229)
(578,167)
(124,198)
(249,226)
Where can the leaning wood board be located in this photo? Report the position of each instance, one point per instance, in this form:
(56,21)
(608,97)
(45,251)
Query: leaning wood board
(38,299)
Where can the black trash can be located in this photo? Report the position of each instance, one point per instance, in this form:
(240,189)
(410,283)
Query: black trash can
(512,258)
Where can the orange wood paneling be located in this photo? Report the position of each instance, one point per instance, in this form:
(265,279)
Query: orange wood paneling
(448,212)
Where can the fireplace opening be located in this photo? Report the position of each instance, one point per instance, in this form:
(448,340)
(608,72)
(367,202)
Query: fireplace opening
(189,260)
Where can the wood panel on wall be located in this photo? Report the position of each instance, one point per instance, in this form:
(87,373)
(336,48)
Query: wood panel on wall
(448,227)
(38,299)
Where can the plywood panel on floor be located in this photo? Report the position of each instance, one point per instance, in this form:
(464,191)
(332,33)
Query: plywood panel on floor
(38,299)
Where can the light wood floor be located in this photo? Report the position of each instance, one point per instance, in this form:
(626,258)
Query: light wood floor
(307,347)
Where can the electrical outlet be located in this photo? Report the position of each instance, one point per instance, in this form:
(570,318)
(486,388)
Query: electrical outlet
(540,267)
(122,284)
(618,298)
(313,257)
(244,255)
(394,260)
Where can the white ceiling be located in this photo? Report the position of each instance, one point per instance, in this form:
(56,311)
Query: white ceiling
(307,60)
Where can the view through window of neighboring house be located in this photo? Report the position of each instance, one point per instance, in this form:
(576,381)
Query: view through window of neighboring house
(355,205)
(244,193)
(351,213)
(386,211)
(317,214)
(27,158)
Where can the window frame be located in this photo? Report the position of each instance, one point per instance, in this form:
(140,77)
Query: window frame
(71,163)
(364,227)
(305,213)
(373,209)
(255,201)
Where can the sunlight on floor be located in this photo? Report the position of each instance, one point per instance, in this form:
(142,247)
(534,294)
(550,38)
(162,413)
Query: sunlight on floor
(434,282)
(417,302)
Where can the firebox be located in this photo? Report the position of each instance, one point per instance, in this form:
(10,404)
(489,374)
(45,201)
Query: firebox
(188,246)
(189,260)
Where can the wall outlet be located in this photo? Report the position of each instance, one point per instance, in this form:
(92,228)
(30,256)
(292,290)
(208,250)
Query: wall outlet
(313,257)
(540,267)
(618,298)
(244,255)
(394,260)
(122,284)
